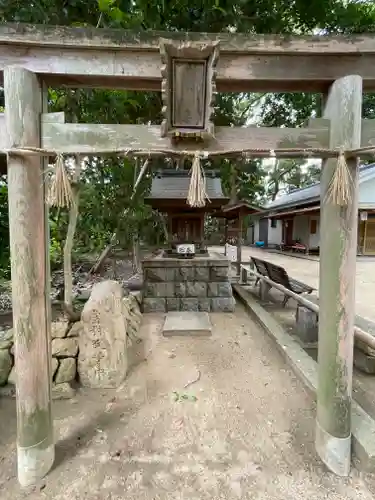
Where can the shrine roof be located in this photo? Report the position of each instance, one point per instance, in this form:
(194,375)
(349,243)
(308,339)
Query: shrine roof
(232,210)
(176,187)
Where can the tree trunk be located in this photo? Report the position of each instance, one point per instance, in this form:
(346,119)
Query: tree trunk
(275,191)
(233,184)
(113,239)
(136,252)
(69,242)
(135,263)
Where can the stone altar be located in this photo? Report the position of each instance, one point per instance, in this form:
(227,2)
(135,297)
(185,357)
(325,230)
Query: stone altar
(198,284)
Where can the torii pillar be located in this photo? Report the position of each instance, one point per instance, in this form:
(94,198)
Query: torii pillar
(338,252)
(24,103)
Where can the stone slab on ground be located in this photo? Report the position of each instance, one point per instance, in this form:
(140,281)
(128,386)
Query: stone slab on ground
(363,425)
(190,323)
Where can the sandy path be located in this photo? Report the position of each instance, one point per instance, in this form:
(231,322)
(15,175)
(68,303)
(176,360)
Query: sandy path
(248,435)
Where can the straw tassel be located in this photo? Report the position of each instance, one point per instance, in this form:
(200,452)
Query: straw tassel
(59,190)
(339,190)
(197,195)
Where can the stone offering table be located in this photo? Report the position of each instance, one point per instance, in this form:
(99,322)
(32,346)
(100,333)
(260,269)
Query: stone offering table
(198,284)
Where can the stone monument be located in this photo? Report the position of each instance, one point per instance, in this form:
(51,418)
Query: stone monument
(102,360)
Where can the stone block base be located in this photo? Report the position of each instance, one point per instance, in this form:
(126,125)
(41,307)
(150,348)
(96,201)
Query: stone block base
(151,305)
(200,284)
(306,325)
(364,362)
(66,337)
(218,304)
(223,304)
(264,289)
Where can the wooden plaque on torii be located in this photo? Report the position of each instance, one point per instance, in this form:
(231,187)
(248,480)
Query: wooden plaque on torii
(188,89)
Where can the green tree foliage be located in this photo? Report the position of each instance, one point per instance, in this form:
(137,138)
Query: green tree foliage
(106,183)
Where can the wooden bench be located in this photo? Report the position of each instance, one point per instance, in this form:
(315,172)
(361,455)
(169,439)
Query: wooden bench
(295,247)
(278,275)
(307,315)
(260,266)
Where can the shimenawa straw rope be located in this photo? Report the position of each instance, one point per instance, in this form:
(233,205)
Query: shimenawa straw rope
(59,192)
(339,189)
(197,194)
(339,192)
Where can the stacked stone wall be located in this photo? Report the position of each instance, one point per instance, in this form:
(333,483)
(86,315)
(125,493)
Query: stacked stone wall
(199,284)
(70,358)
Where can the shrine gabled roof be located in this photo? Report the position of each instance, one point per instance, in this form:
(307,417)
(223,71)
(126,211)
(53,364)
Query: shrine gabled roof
(241,205)
(176,187)
(234,210)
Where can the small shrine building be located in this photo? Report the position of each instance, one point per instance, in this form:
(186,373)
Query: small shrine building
(186,276)
(169,192)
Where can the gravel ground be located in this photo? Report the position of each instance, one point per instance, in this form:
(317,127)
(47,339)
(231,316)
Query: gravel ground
(243,429)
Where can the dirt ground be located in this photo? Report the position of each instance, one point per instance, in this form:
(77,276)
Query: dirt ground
(244,430)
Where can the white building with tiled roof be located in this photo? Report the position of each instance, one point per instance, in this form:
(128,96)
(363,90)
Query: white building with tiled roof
(295,217)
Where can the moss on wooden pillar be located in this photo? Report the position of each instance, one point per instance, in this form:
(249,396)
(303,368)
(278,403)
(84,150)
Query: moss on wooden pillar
(338,243)
(30,275)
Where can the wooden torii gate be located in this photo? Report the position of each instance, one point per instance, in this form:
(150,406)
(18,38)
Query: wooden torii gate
(34,57)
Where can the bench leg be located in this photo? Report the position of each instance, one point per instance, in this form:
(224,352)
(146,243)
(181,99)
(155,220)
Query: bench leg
(243,276)
(285,300)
